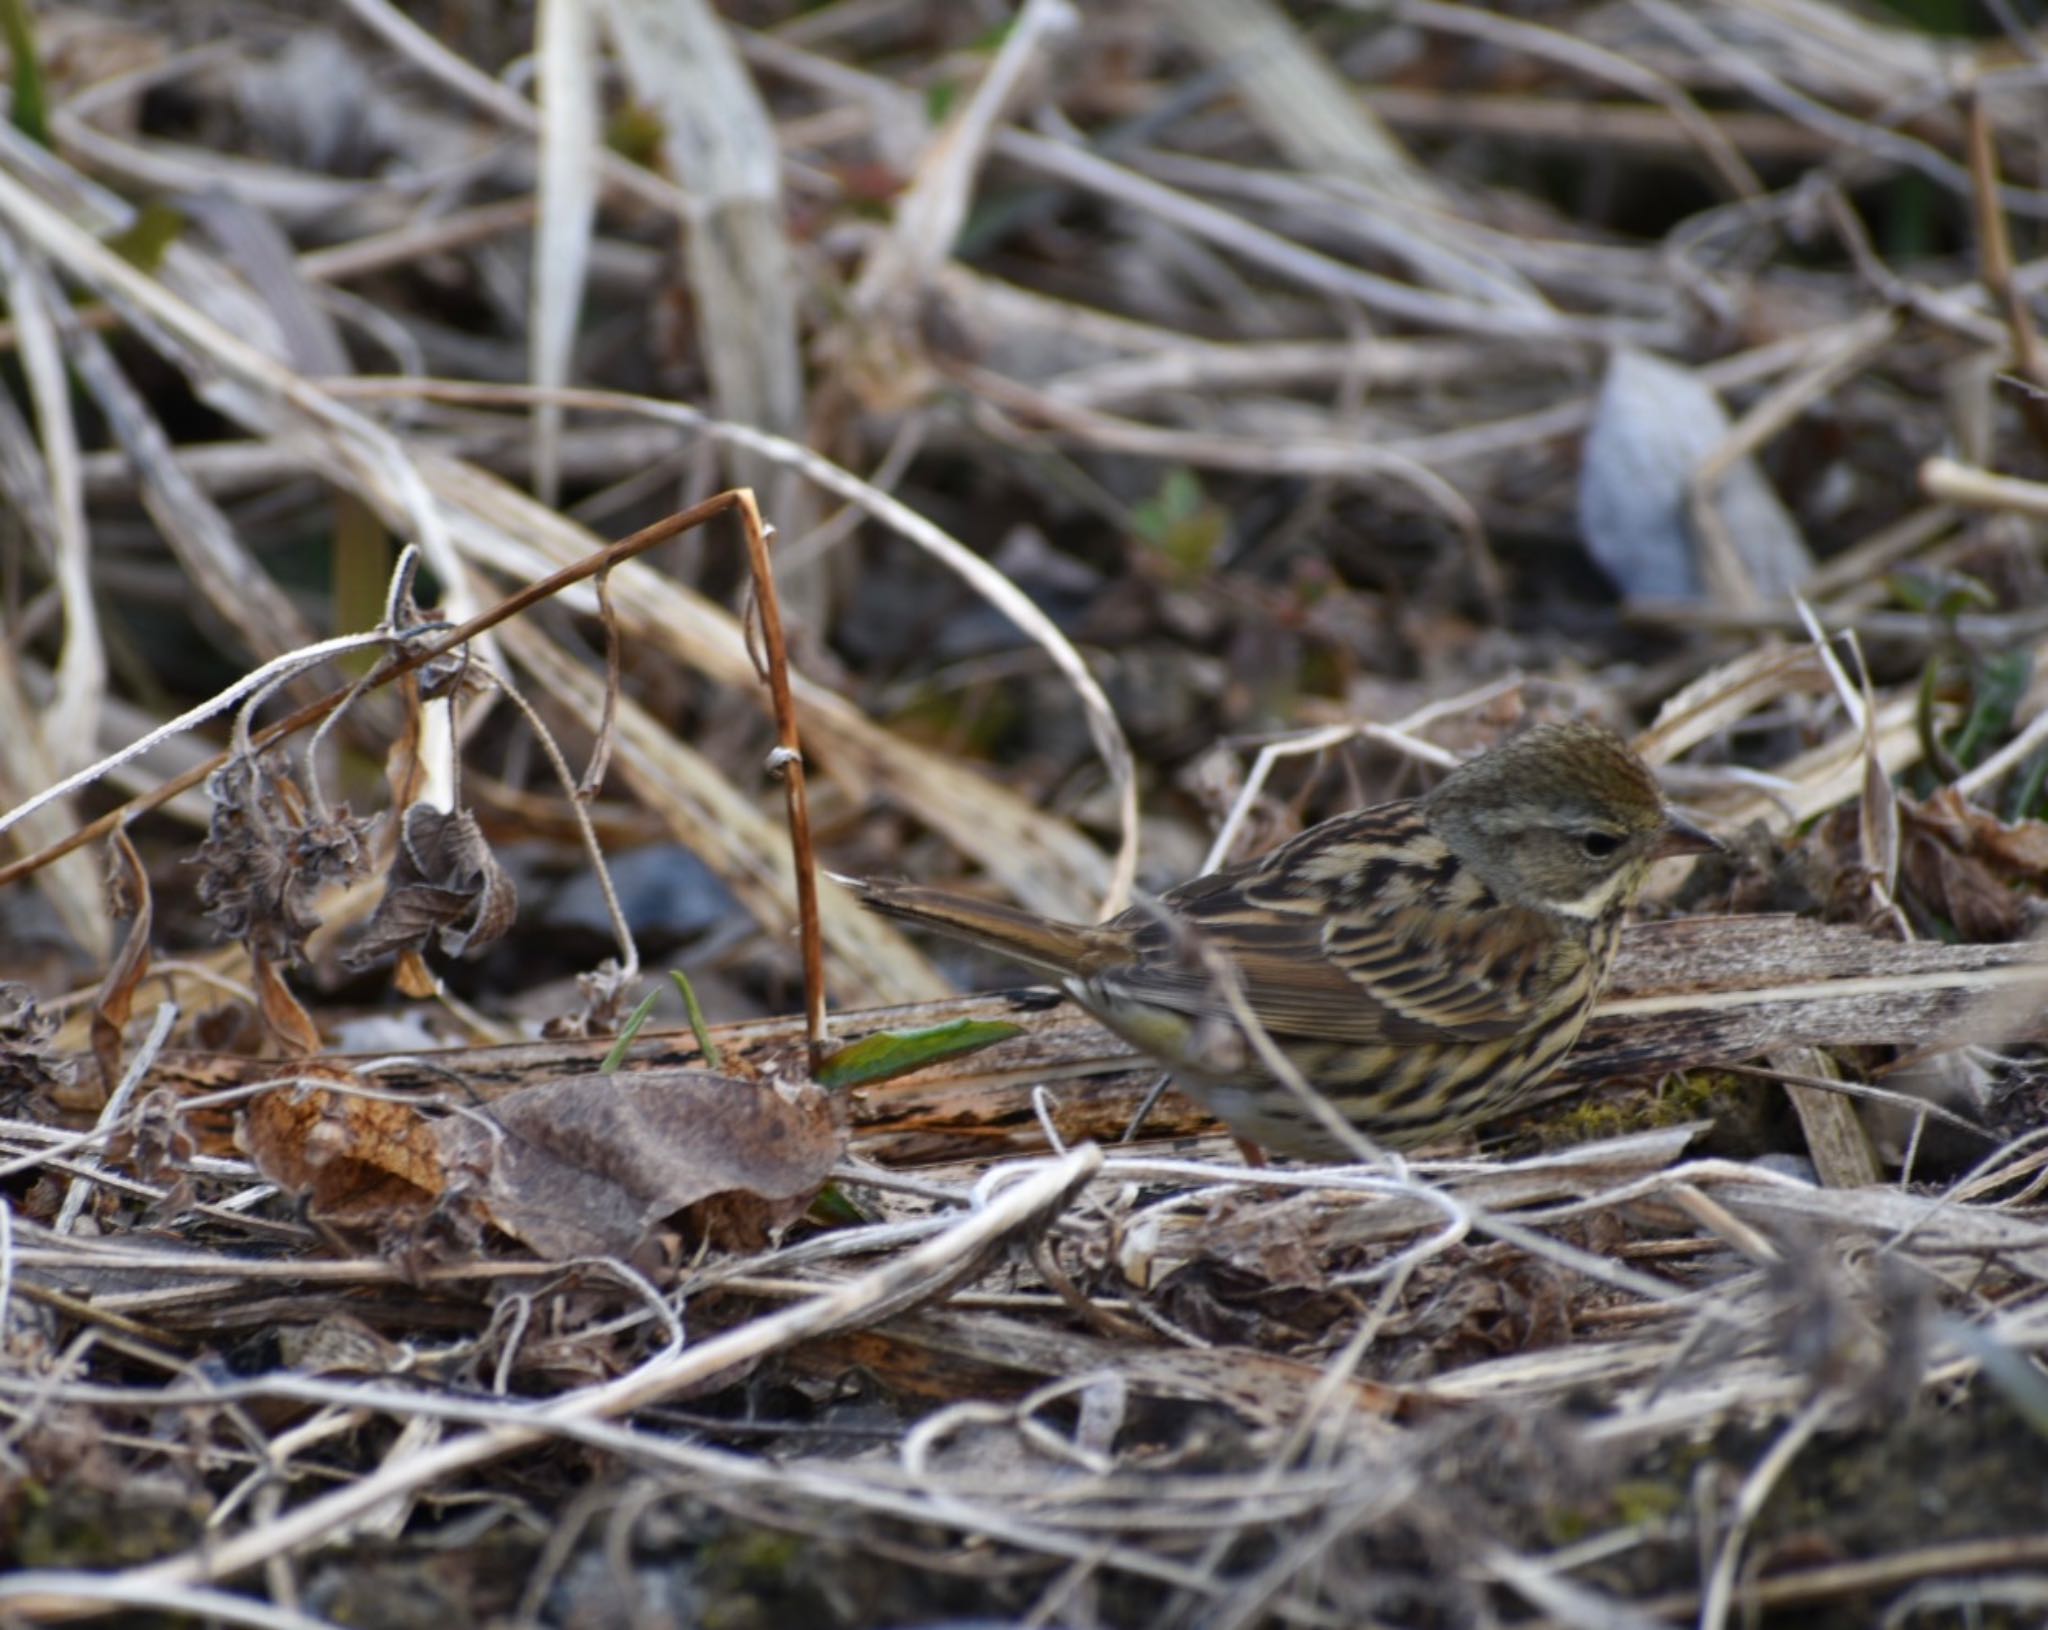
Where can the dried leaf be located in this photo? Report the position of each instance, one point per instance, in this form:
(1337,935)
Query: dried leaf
(157,1145)
(283,1015)
(586,1165)
(354,1163)
(446,879)
(576,1167)
(568,63)
(128,889)
(155,1142)
(265,858)
(604,990)
(1963,892)
(2019,849)
(1962,863)
(29,1062)
(340,1344)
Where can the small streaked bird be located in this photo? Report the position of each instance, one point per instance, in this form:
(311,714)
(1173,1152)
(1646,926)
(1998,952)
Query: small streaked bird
(1423,965)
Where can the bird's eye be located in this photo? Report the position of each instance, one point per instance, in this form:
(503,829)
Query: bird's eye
(1599,845)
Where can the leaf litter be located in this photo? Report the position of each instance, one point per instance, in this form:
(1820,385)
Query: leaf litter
(868,1317)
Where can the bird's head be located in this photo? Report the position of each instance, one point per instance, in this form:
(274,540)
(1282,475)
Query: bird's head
(1562,819)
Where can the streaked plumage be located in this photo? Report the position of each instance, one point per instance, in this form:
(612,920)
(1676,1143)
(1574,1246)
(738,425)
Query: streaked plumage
(1422,964)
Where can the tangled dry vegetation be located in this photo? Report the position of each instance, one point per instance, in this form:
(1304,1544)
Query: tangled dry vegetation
(1178,423)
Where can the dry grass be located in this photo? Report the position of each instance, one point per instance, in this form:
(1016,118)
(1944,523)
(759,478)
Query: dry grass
(1204,411)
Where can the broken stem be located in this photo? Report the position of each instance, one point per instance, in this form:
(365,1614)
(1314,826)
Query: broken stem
(601,560)
(788,762)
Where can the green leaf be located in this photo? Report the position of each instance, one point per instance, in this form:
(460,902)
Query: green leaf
(143,243)
(890,1053)
(2026,786)
(615,1055)
(31,115)
(2000,683)
(1946,595)
(1932,747)
(835,1208)
(635,133)
(1183,525)
(713,1059)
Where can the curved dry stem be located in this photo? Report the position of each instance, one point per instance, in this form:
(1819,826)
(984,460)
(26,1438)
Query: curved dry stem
(1104,730)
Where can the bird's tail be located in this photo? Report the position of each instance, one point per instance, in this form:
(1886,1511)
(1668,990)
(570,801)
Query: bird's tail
(1043,943)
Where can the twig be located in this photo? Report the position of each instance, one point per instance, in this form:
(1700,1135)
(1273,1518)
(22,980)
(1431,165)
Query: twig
(1994,266)
(312,712)
(116,1107)
(787,762)
(1722,156)
(1103,729)
(1756,1488)
(1954,483)
(924,1266)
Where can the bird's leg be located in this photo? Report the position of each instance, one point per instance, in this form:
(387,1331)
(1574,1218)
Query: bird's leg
(1152,1095)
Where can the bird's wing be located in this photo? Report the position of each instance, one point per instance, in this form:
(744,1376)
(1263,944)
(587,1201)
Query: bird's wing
(1470,977)
(1369,933)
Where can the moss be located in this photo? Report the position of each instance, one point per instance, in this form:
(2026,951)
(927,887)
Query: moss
(1936,1476)
(1694,1095)
(1657,1493)
(763,1559)
(73,1524)
(1637,1501)
(743,1576)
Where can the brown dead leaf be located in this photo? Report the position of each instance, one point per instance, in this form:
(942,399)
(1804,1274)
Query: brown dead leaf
(29,1062)
(2020,849)
(582,1166)
(602,1008)
(154,1143)
(283,1013)
(157,1146)
(339,1344)
(410,976)
(128,892)
(586,1165)
(1266,1242)
(357,1164)
(445,878)
(265,857)
(1963,863)
(1963,891)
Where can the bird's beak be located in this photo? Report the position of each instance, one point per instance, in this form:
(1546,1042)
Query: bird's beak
(1681,837)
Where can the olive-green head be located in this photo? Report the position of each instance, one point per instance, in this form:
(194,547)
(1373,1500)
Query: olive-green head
(1563,818)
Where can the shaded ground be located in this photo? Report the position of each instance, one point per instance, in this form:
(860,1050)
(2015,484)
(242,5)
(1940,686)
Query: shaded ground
(1131,391)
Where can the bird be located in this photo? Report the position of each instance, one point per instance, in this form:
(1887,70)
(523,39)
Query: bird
(1421,965)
